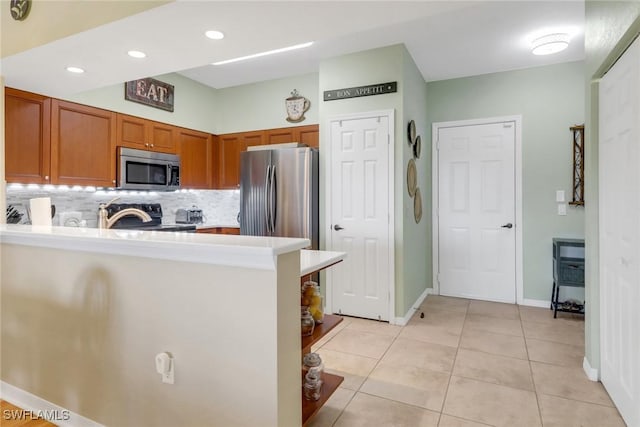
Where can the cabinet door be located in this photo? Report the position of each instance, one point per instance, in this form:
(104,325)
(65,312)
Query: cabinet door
(280,136)
(27,137)
(132,132)
(143,134)
(83,141)
(195,159)
(162,137)
(309,135)
(229,149)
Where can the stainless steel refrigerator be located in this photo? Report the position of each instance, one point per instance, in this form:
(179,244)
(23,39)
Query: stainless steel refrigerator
(279,193)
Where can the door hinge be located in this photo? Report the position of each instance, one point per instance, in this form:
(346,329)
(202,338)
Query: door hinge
(438,278)
(388,138)
(438,145)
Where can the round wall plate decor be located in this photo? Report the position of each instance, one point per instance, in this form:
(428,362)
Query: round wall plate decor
(412,177)
(411,132)
(417,146)
(417,206)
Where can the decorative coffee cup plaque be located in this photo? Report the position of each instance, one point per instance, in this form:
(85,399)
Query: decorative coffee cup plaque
(296,107)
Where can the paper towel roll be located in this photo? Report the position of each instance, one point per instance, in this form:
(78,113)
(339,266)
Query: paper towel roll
(40,211)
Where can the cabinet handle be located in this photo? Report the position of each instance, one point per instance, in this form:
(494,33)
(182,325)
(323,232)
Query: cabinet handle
(46,178)
(114,181)
(151,145)
(146,144)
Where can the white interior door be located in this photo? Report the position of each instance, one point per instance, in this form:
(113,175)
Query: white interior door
(359,217)
(476,211)
(619,145)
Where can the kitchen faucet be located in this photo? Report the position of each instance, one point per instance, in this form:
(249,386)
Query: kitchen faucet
(104,222)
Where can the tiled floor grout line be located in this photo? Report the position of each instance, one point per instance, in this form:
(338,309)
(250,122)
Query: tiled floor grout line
(533,381)
(455,357)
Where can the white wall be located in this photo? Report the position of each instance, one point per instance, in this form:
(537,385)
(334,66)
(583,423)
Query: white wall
(82,329)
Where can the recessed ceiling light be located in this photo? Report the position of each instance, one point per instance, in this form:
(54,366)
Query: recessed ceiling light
(214,35)
(136,54)
(269,52)
(550,43)
(76,70)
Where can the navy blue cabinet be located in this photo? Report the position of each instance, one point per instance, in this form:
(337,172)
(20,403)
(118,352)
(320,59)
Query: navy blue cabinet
(568,270)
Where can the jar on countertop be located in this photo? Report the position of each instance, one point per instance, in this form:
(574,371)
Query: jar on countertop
(312,298)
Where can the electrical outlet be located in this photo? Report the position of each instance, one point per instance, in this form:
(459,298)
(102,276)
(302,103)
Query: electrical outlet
(560,196)
(562,208)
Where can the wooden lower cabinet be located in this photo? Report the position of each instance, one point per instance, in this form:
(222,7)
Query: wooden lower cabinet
(83,145)
(27,137)
(195,149)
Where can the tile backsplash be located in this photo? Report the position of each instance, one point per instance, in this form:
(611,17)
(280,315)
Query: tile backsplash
(220,207)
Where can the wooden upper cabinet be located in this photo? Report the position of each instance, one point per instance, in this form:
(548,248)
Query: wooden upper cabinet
(305,134)
(280,136)
(143,134)
(27,137)
(229,149)
(196,159)
(309,135)
(83,145)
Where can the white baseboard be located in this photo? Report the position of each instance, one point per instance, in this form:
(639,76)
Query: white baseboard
(36,406)
(536,303)
(592,373)
(401,321)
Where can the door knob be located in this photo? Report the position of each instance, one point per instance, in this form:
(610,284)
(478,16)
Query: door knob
(337,227)
(508,225)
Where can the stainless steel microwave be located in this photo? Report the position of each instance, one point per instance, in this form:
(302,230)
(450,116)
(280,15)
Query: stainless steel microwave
(147,170)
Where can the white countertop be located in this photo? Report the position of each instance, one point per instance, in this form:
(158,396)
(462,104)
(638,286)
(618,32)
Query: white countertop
(312,261)
(220,249)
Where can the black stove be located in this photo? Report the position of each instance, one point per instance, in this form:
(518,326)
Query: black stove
(154,210)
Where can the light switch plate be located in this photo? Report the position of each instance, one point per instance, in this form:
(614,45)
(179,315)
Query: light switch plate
(562,208)
(559,195)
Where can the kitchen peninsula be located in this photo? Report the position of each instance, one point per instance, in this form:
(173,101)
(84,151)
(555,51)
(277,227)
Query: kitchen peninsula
(85,311)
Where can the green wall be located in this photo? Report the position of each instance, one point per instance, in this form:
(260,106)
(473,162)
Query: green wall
(392,63)
(550,99)
(235,109)
(610,27)
(415,251)
(195,104)
(261,105)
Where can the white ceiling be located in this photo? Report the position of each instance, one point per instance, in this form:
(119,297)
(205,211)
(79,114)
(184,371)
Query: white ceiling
(446,39)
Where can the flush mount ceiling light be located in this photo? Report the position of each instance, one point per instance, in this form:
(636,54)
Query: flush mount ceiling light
(136,54)
(214,35)
(269,52)
(550,43)
(76,70)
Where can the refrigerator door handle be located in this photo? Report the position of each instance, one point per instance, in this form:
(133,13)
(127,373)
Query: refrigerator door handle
(274,198)
(267,217)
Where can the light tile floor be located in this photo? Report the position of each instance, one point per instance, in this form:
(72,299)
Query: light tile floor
(465,363)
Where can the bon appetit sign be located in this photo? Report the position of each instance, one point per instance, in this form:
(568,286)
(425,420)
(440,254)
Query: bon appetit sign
(150,92)
(354,92)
